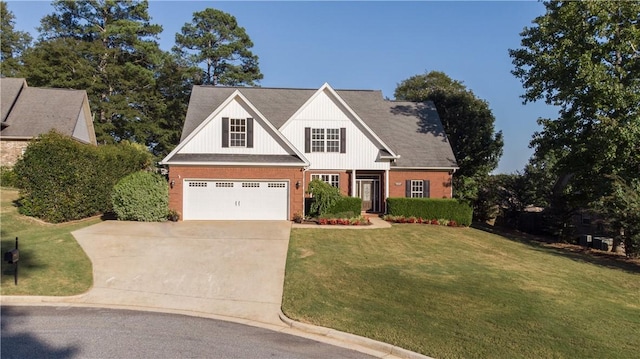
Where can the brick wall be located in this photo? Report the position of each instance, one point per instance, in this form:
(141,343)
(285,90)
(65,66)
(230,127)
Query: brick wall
(440,182)
(11,151)
(177,174)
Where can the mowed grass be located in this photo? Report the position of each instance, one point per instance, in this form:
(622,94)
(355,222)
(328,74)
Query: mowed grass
(51,261)
(463,293)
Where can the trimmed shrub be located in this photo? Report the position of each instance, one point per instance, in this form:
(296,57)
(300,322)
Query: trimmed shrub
(346,204)
(61,179)
(8,178)
(141,196)
(449,209)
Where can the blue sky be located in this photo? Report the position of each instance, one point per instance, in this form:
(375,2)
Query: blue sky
(375,45)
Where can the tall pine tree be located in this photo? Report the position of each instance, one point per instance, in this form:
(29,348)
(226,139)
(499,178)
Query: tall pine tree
(12,43)
(108,48)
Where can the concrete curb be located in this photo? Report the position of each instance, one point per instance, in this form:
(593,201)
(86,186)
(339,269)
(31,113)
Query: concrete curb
(353,339)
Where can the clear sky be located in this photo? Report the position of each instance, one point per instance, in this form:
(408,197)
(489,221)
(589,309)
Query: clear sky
(374,45)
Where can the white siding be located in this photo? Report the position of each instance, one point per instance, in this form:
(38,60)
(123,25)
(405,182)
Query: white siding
(325,112)
(209,139)
(81,131)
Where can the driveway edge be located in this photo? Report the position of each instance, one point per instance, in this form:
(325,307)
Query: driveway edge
(352,338)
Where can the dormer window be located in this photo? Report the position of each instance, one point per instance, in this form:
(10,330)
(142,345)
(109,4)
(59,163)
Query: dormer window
(325,140)
(237,132)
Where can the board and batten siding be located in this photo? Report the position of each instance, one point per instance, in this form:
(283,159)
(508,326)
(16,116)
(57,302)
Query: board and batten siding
(209,139)
(324,112)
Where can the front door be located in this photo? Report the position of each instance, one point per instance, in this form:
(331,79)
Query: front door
(366,193)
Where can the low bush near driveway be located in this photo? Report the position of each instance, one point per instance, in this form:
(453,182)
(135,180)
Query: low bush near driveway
(141,196)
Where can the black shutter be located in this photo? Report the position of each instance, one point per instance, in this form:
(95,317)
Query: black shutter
(407,190)
(307,139)
(249,132)
(225,132)
(343,140)
(426,190)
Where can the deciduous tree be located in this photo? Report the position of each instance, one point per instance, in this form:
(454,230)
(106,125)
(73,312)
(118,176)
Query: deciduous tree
(468,123)
(584,56)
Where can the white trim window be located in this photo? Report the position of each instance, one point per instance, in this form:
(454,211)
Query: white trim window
(238,132)
(332,179)
(417,188)
(317,140)
(333,140)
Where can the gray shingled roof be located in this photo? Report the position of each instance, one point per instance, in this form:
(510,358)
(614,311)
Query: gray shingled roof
(9,91)
(38,110)
(411,130)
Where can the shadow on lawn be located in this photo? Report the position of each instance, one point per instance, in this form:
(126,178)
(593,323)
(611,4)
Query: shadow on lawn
(571,251)
(26,257)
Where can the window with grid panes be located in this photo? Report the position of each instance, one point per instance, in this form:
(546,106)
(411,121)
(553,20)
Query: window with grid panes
(333,180)
(417,188)
(333,140)
(317,140)
(237,132)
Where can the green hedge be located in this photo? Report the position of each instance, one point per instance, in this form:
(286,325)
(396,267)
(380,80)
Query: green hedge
(346,204)
(141,196)
(7,177)
(431,208)
(61,179)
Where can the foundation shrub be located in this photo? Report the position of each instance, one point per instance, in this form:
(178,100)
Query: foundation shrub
(346,204)
(141,196)
(450,209)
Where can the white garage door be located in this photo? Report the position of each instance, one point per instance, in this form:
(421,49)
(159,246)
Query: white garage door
(235,200)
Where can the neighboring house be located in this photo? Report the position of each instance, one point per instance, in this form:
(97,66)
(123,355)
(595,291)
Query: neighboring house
(28,112)
(249,153)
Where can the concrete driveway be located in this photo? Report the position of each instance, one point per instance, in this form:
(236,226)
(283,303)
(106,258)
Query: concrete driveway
(233,269)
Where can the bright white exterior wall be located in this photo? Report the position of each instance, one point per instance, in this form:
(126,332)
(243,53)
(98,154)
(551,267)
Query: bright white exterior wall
(209,139)
(325,112)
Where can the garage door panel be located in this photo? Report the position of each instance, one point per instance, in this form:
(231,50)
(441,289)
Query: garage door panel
(235,200)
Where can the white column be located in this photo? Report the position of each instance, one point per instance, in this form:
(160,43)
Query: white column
(353,182)
(386,188)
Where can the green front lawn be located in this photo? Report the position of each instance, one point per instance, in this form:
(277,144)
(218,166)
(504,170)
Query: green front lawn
(51,261)
(463,293)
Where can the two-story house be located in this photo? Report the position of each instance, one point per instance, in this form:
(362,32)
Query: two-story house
(249,153)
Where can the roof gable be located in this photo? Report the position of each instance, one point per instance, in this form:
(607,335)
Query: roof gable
(201,141)
(35,111)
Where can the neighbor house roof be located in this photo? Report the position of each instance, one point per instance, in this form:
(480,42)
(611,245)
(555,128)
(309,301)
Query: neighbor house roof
(31,111)
(412,130)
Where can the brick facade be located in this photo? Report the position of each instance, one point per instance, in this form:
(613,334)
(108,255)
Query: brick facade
(440,182)
(11,151)
(177,175)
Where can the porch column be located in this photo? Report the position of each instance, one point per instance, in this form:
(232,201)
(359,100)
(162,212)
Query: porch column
(353,182)
(386,185)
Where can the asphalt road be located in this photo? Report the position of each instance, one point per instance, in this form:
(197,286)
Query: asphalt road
(73,332)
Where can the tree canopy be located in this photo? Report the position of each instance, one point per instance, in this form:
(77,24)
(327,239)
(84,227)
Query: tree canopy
(584,57)
(214,39)
(468,123)
(109,48)
(12,43)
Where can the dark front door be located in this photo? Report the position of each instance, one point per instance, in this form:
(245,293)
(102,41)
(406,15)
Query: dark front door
(366,193)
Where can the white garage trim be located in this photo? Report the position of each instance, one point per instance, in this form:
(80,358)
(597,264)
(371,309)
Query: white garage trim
(235,199)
